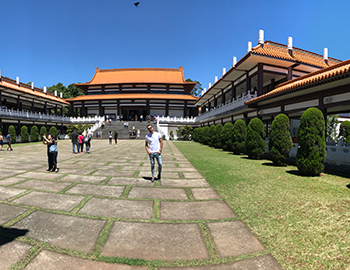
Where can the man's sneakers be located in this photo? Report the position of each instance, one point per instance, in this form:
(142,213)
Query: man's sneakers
(159,176)
(152,180)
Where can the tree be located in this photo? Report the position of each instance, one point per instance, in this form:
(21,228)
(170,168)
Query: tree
(184,132)
(53,131)
(171,137)
(34,134)
(239,136)
(43,131)
(24,134)
(311,153)
(216,139)
(344,131)
(280,142)
(255,143)
(205,135)
(211,135)
(226,137)
(332,124)
(12,132)
(197,89)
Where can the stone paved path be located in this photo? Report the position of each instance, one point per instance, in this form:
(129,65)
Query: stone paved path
(102,208)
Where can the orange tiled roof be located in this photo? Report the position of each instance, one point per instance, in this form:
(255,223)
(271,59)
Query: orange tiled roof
(280,51)
(134,96)
(24,88)
(138,75)
(317,76)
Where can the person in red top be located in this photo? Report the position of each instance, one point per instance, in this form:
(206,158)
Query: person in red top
(81,143)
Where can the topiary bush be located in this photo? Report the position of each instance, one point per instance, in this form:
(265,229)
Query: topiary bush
(43,131)
(200,134)
(344,131)
(311,153)
(280,141)
(34,134)
(255,143)
(211,135)
(216,139)
(226,137)
(205,135)
(195,134)
(53,131)
(171,135)
(12,132)
(239,136)
(24,134)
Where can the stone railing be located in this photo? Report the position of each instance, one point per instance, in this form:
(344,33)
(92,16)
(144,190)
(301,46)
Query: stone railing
(227,107)
(176,119)
(35,116)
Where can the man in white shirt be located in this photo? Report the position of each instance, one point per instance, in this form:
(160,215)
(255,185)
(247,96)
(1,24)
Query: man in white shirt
(154,146)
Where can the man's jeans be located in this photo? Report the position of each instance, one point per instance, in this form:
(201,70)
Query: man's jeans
(77,145)
(159,160)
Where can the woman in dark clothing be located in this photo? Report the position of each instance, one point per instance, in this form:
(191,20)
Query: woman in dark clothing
(115,137)
(52,156)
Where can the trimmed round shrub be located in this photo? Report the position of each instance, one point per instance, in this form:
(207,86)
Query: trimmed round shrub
(311,153)
(280,141)
(255,143)
(12,132)
(216,139)
(43,131)
(24,134)
(344,131)
(226,137)
(196,134)
(53,131)
(34,134)
(211,135)
(205,135)
(239,136)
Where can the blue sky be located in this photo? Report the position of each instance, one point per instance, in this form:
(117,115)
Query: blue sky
(51,41)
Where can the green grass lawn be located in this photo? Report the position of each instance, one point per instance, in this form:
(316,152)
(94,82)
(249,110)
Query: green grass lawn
(303,221)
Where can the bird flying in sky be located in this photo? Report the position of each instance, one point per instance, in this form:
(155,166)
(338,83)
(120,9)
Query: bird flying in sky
(137,4)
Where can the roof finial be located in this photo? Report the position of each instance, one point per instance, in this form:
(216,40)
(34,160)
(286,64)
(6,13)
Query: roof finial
(249,46)
(261,37)
(234,61)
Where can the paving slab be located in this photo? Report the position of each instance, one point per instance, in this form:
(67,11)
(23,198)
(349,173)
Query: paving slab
(97,190)
(115,173)
(118,208)
(193,175)
(82,171)
(7,173)
(52,201)
(9,212)
(40,175)
(10,181)
(83,178)
(184,183)
(158,193)
(61,230)
(234,238)
(266,262)
(195,210)
(145,173)
(155,241)
(7,193)
(55,261)
(205,193)
(11,252)
(43,185)
(130,181)
(22,166)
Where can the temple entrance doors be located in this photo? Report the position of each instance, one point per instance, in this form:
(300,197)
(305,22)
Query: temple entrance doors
(130,114)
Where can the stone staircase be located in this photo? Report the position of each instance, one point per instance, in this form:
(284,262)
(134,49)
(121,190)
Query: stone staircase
(123,133)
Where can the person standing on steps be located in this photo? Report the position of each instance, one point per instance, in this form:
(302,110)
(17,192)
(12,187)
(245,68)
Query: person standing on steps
(154,146)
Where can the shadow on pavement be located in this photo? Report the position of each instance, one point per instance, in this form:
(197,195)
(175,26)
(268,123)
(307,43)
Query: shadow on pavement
(9,234)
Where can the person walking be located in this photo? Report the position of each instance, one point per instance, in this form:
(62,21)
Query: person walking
(9,141)
(115,137)
(1,141)
(154,146)
(110,137)
(81,142)
(74,138)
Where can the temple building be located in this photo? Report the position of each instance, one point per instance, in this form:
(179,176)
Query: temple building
(23,104)
(128,93)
